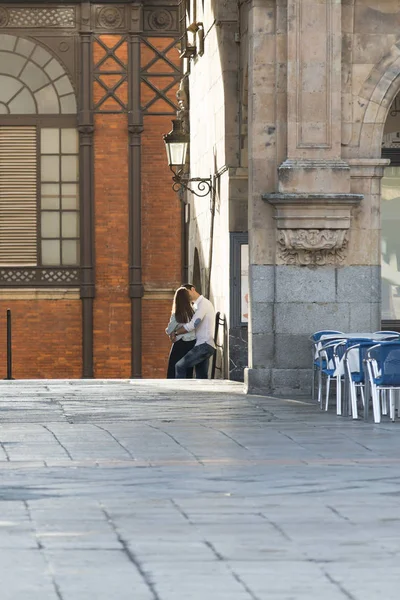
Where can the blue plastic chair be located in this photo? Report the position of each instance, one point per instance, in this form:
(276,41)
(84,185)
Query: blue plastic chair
(337,370)
(355,372)
(330,356)
(394,333)
(383,366)
(316,361)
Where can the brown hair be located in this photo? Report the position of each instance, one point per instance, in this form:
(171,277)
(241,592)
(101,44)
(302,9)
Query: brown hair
(181,306)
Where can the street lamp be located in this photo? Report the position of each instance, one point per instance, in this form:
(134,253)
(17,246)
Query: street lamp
(176,145)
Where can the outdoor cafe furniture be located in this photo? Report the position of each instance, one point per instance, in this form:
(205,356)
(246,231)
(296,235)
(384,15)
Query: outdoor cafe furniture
(339,356)
(383,369)
(316,338)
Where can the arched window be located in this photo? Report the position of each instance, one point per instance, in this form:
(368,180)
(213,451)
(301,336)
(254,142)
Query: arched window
(39,199)
(32,81)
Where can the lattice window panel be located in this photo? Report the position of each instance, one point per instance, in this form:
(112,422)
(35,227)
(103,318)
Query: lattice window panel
(36,276)
(18,203)
(41,17)
(160,75)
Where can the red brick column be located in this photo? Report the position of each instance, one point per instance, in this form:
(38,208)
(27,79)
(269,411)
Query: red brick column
(112,337)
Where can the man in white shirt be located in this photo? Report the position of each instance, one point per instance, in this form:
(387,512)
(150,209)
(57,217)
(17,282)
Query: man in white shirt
(203,322)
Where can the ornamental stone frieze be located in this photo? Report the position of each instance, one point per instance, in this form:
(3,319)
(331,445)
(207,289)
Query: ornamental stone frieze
(156,20)
(312,228)
(33,17)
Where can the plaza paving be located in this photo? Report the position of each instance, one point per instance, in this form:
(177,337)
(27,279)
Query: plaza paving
(153,490)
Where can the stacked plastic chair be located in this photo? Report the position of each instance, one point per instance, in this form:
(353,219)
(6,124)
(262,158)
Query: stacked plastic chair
(355,371)
(335,354)
(383,367)
(317,361)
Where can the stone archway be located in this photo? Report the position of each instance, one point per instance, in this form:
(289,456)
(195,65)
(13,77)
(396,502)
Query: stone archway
(378,93)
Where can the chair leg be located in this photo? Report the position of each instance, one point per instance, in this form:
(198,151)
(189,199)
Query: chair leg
(328,385)
(362,395)
(353,396)
(320,388)
(339,395)
(384,403)
(392,405)
(376,404)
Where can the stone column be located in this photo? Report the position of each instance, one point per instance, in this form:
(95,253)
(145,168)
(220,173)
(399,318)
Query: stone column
(311,204)
(262,136)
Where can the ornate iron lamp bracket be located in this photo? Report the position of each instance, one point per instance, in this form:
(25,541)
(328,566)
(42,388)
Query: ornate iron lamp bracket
(203,186)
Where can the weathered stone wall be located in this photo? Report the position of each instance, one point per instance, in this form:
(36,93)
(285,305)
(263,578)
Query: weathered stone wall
(340,76)
(314,80)
(215,150)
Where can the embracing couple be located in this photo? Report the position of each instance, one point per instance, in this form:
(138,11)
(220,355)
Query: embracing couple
(191,331)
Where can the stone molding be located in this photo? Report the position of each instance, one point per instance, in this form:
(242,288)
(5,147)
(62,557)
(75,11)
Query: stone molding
(312,228)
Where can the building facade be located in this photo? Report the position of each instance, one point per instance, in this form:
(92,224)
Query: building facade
(90,229)
(294,113)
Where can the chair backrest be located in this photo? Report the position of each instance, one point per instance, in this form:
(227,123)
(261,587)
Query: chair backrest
(361,347)
(389,333)
(333,350)
(318,334)
(387,357)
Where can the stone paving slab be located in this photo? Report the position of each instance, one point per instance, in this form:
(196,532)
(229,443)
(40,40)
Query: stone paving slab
(160,490)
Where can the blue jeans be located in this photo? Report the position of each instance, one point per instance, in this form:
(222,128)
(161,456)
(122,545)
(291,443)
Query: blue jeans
(198,357)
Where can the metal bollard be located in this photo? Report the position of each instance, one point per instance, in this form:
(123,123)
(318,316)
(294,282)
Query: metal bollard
(9,346)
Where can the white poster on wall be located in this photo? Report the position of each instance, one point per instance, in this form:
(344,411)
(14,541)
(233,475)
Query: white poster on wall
(244,282)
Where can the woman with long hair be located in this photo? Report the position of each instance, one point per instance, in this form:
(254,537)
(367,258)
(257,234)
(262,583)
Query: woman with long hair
(182,312)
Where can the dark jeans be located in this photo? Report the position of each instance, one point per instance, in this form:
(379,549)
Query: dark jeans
(178,351)
(198,358)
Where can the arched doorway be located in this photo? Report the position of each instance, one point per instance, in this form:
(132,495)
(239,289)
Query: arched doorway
(390,220)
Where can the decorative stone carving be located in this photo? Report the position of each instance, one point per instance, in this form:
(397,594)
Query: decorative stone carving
(110,17)
(64,46)
(161,20)
(38,17)
(312,247)
(182,96)
(312,228)
(3,17)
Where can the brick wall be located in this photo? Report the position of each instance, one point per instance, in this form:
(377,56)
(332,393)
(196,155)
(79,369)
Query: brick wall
(47,333)
(161,214)
(47,339)
(161,235)
(112,339)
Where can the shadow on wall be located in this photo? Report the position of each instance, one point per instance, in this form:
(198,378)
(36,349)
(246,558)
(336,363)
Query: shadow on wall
(197,272)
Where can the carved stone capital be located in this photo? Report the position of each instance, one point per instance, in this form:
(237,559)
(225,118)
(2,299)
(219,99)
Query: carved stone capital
(312,247)
(312,228)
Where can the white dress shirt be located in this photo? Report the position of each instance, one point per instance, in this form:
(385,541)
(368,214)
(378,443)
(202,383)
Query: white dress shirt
(203,322)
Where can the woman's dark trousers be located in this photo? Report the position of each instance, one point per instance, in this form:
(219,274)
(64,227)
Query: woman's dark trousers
(178,351)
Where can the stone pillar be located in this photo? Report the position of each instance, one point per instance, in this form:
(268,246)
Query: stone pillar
(307,235)
(262,136)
